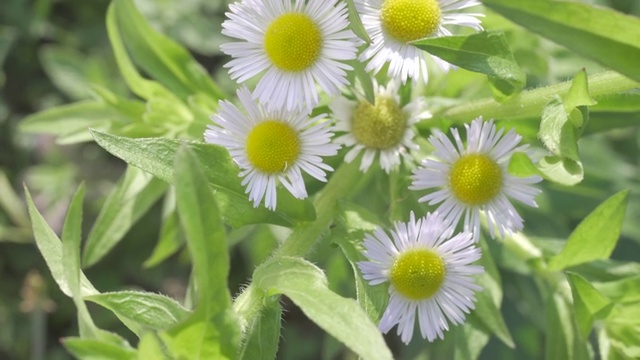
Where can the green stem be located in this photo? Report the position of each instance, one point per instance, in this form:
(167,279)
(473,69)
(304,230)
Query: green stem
(304,236)
(249,304)
(530,103)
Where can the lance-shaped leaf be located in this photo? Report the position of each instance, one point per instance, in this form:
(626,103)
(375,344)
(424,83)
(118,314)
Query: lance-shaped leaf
(132,197)
(604,35)
(155,155)
(50,247)
(588,302)
(596,236)
(142,311)
(161,57)
(486,52)
(306,285)
(212,332)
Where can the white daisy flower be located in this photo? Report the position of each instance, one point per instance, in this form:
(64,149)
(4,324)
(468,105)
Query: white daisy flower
(295,44)
(383,127)
(429,273)
(475,179)
(393,24)
(271,146)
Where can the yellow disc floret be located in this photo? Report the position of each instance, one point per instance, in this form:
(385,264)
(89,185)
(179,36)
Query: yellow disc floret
(380,125)
(418,274)
(293,42)
(475,179)
(272,146)
(408,20)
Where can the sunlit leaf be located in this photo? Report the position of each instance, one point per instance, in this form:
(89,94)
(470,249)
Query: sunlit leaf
(587,301)
(485,52)
(596,236)
(155,155)
(148,311)
(97,349)
(602,34)
(160,56)
(342,318)
(51,249)
(67,119)
(213,330)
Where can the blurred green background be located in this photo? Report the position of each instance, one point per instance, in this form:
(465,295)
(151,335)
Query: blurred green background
(50,53)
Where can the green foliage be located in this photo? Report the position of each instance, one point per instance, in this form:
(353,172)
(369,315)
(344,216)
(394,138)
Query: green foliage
(243,260)
(596,236)
(156,157)
(486,52)
(599,33)
(306,286)
(130,199)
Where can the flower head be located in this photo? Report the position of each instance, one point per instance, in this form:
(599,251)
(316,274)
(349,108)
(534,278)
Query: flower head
(272,146)
(293,45)
(475,179)
(429,273)
(394,24)
(384,127)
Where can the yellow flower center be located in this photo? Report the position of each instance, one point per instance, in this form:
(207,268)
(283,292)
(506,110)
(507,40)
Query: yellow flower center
(408,20)
(272,146)
(379,126)
(418,274)
(475,179)
(293,42)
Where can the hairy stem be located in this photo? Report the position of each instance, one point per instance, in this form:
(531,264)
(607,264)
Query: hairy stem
(531,102)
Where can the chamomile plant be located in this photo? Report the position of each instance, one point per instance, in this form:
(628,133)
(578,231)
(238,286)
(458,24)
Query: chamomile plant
(403,214)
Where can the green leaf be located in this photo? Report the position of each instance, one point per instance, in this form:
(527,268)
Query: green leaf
(356,23)
(353,222)
(148,311)
(588,303)
(91,349)
(68,119)
(342,318)
(51,249)
(171,239)
(161,57)
(151,347)
(131,109)
(489,300)
(263,334)
(71,237)
(486,52)
(557,133)
(132,197)
(213,330)
(625,290)
(470,340)
(604,35)
(155,156)
(561,170)
(561,335)
(521,165)
(596,236)
(140,86)
(578,95)
(363,79)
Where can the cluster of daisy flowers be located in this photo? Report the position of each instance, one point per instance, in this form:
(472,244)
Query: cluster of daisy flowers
(293,50)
